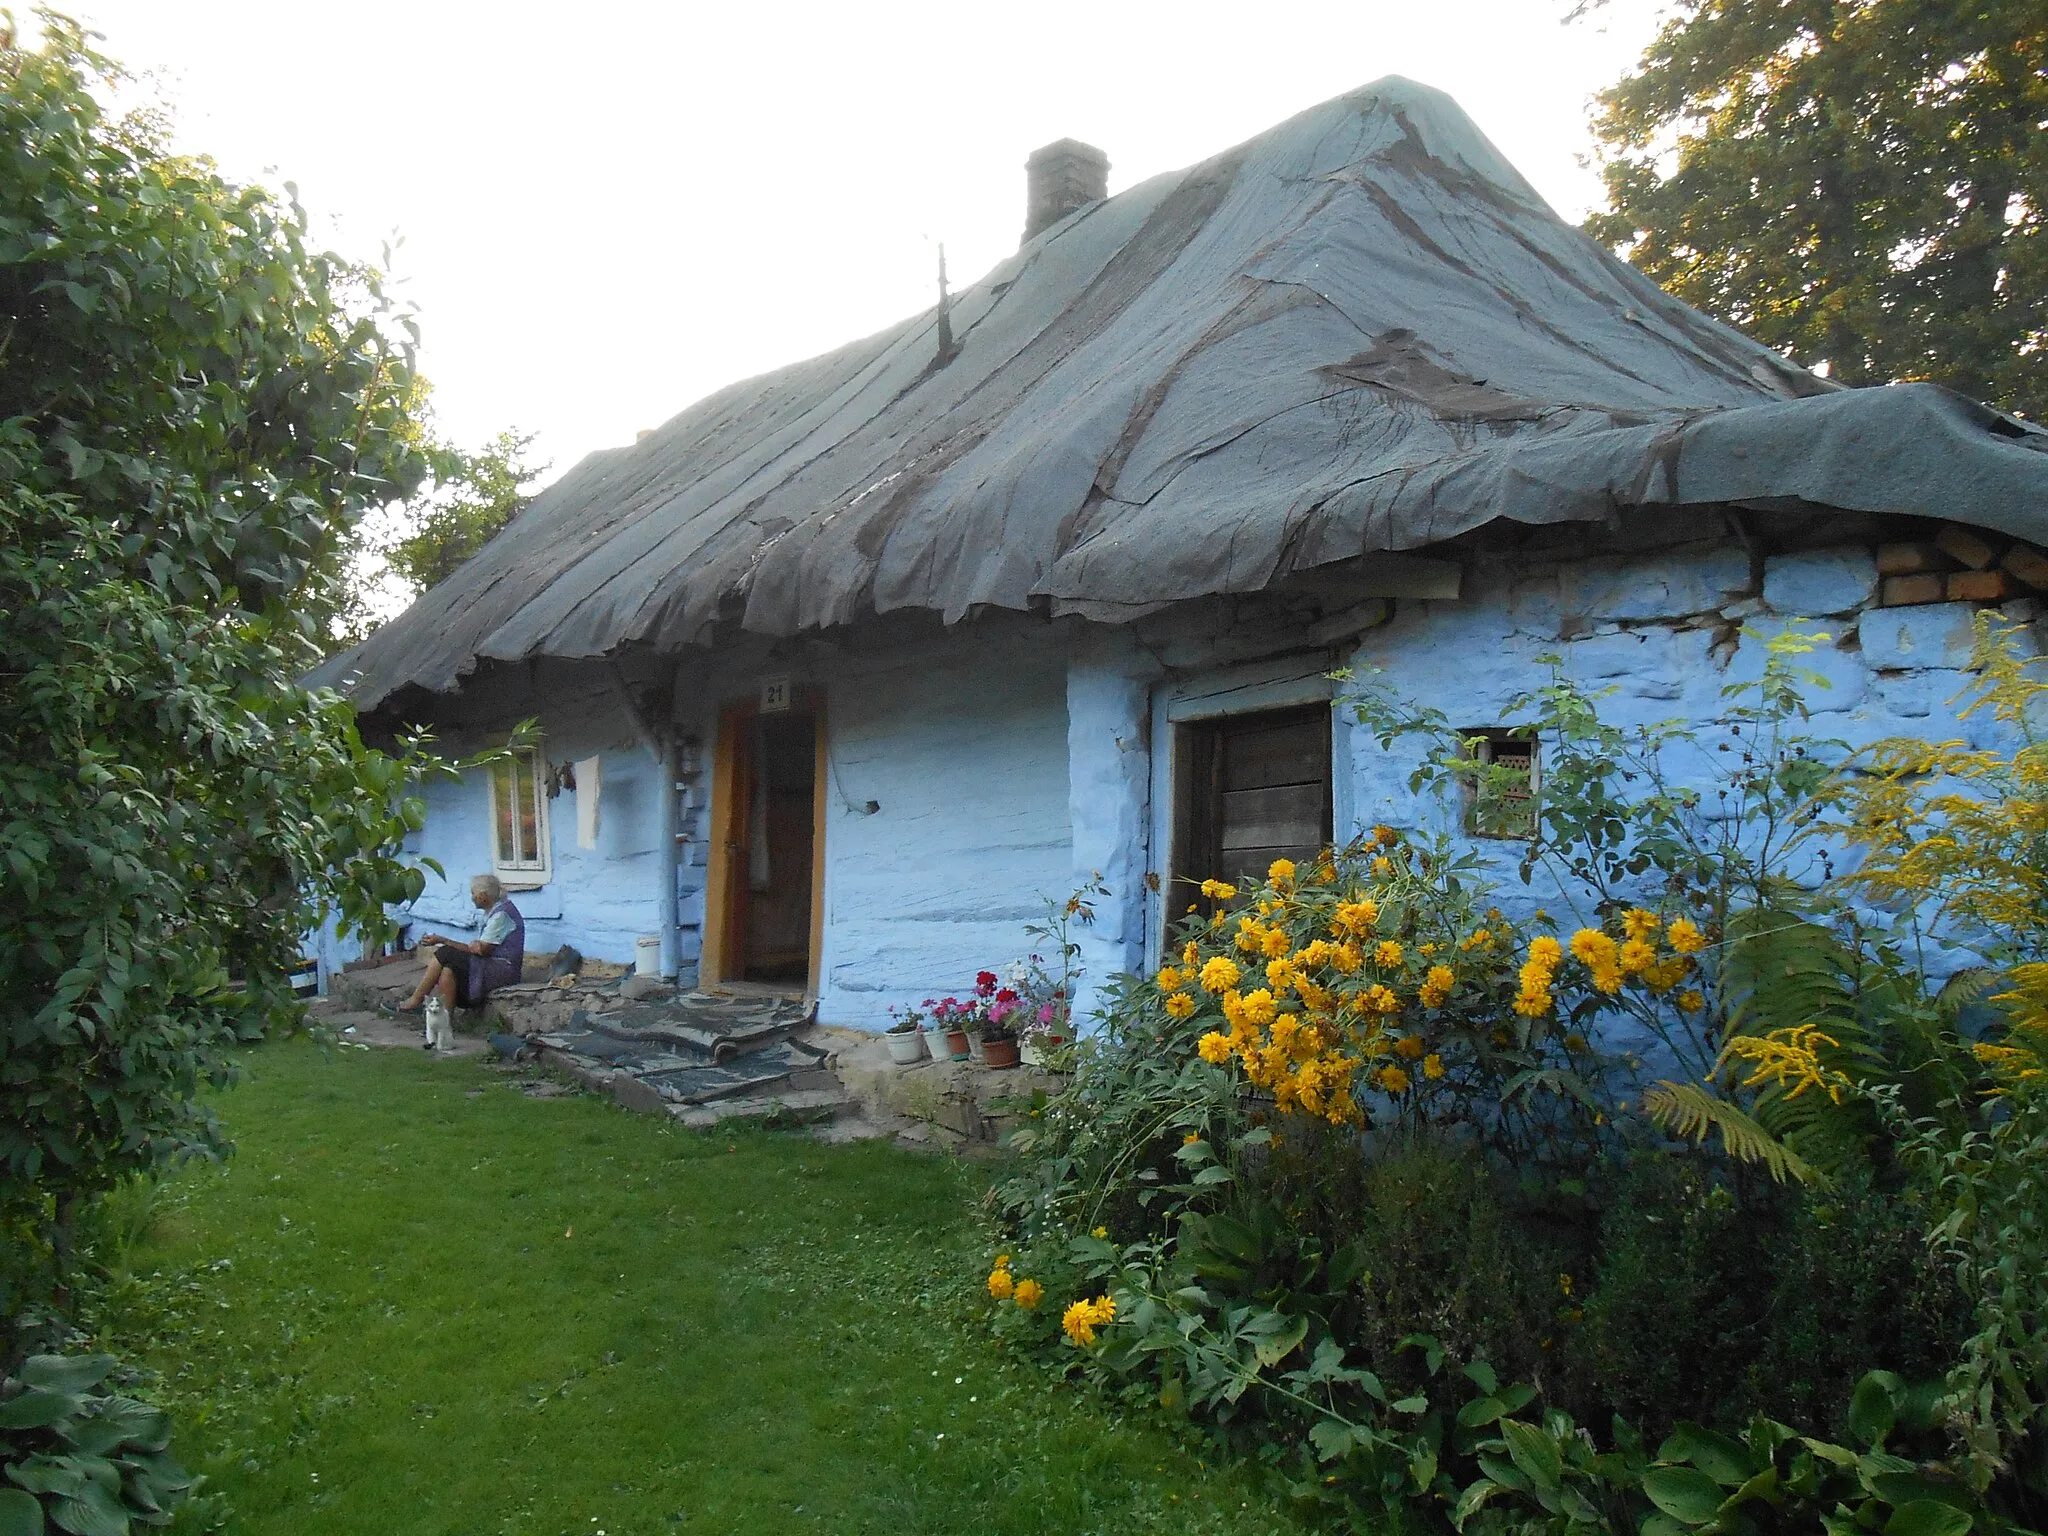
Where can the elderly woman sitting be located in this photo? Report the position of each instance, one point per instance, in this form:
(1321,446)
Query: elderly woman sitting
(466,972)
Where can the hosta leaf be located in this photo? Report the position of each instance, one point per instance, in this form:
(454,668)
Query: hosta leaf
(1472,1500)
(1928,1517)
(67,1373)
(1481,1410)
(94,1512)
(1872,1411)
(21,1514)
(1722,1459)
(37,1409)
(1686,1494)
(1534,1452)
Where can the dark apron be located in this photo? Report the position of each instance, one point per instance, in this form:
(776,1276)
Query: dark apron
(500,968)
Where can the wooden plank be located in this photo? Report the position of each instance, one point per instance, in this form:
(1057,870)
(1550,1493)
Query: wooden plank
(1287,751)
(1289,814)
(1242,866)
(1194,851)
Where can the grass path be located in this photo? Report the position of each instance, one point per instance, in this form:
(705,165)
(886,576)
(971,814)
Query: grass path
(417,1301)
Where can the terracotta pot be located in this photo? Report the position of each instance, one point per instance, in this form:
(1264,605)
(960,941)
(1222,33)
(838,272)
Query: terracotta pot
(956,1044)
(905,1046)
(999,1053)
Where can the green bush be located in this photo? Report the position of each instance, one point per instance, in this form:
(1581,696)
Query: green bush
(1449,1249)
(79,1459)
(1721,1295)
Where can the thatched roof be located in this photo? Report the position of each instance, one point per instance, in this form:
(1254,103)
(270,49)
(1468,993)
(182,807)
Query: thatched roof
(1359,331)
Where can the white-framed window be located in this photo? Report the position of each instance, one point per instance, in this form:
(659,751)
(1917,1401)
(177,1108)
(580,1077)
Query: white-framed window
(521,854)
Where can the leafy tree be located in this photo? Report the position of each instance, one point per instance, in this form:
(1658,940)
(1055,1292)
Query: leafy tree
(476,494)
(1860,183)
(194,407)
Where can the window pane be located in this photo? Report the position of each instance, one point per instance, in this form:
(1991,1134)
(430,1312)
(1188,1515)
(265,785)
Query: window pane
(502,801)
(529,812)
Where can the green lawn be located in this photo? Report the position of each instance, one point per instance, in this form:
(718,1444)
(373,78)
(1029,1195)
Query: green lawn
(418,1301)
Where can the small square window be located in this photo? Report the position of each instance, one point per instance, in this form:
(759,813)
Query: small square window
(1500,786)
(521,853)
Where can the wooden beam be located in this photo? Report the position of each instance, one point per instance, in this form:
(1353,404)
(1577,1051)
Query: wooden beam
(822,767)
(726,827)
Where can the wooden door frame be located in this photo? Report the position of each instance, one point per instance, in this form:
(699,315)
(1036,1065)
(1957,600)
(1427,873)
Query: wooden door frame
(722,940)
(1195,820)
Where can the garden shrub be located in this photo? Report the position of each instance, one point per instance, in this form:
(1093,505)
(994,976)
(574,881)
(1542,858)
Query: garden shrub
(1721,1295)
(1353,1178)
(1449,1249)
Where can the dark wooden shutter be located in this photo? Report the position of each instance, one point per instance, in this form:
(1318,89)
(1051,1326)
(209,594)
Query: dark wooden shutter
(1248,789)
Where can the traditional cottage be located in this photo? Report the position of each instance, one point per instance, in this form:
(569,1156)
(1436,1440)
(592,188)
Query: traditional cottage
(847,667)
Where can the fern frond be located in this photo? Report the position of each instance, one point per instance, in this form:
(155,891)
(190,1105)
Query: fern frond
(1781,971)
(1687,1109)
(1965,988)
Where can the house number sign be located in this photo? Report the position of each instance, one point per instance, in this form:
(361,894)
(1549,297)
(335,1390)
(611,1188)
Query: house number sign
(775,695)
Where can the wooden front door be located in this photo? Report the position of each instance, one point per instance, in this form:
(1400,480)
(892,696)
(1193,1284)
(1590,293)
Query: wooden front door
(1248,789)
(762,904)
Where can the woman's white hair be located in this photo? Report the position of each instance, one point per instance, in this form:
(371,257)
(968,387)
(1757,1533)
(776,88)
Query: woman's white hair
(488,886)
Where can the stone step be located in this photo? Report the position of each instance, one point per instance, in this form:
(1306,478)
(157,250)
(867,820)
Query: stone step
(804,1106)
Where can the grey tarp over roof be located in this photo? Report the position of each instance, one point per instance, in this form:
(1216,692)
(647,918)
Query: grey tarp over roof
(1359,331)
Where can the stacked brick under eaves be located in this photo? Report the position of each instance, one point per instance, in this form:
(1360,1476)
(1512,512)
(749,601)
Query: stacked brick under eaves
(1959,565)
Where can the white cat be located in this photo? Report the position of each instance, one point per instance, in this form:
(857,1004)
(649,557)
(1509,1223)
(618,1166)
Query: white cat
(440,1027)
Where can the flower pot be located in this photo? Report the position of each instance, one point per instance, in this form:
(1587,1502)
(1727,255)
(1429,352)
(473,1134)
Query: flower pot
(974,1048)
(935,1042)
(999,1053)
(956,1044)
(905,1046)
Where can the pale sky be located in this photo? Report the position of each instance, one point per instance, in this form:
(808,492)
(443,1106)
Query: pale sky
(611,209)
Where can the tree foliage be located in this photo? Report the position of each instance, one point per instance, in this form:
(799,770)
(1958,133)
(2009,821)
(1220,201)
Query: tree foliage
(476,495)
(1860,183)
(194,408)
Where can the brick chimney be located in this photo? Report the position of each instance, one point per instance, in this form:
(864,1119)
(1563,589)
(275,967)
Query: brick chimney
(1059,178)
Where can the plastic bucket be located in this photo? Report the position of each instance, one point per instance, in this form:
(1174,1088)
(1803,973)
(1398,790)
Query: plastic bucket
(647,955)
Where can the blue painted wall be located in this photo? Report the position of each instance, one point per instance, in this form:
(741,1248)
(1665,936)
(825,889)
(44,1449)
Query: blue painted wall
(962,742)
(599,900)
(1012,759)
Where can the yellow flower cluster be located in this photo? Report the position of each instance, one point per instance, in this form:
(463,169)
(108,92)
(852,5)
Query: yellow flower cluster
(1612,963)
(1787,1059)
(1538,976)
(1084,1317)
(1320,984)
(1437,986)
(1004,1286)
